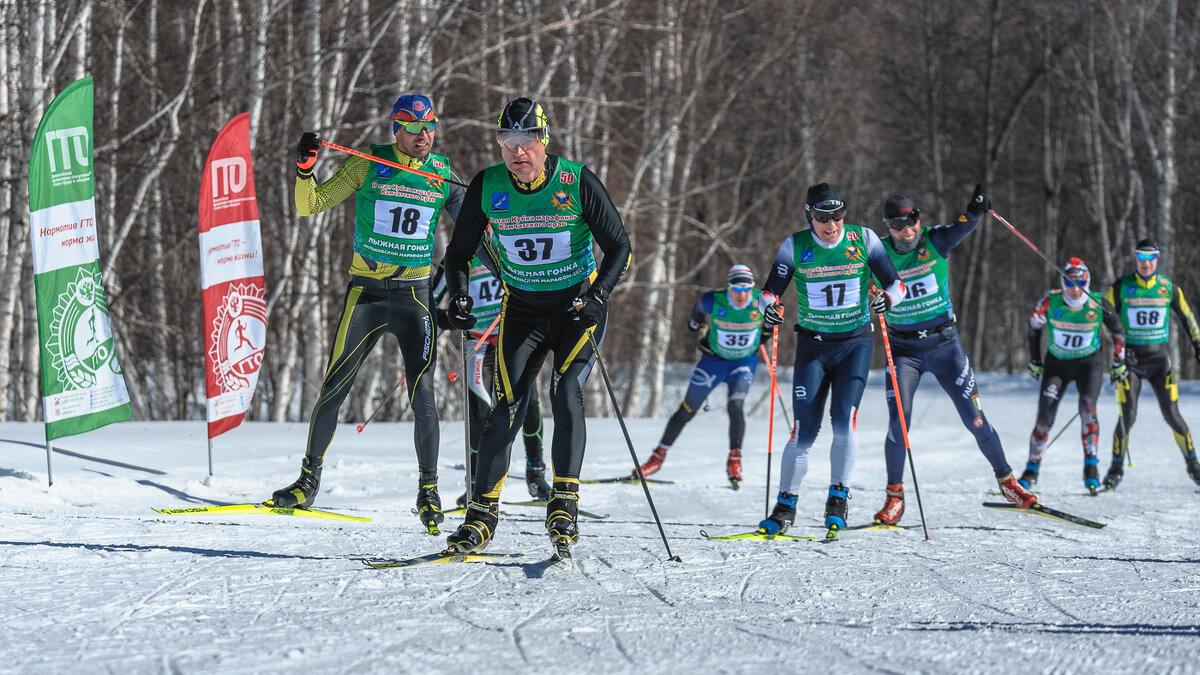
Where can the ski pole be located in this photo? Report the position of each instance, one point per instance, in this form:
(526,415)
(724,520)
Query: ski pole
(467,413)
(775,387)
(912,467)
(380,406)
(771,414)
(1065,427)
(390,163)
(1061,271)
(637,467)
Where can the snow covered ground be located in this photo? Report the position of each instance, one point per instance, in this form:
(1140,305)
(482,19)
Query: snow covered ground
(92,578)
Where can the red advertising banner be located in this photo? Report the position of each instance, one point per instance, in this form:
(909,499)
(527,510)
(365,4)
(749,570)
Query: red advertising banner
(231,275)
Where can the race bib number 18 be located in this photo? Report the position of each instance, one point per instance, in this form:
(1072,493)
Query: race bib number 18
(402,221)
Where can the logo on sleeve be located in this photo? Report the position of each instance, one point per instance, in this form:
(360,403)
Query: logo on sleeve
(806,256)
(383,171)
(499,201)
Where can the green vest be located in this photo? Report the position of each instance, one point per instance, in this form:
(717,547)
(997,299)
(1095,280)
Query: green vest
(734,332)
(831,283)
(542,241)
(397,211)
(1144,310)
(1074,331)
(926,275)
(486,291)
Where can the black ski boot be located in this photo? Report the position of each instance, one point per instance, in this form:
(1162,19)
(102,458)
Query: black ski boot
(1193,468)
(782,515)
(477,530)
(1029,478)
(301,493)
(836,507)
(429,504)
(562,514)
(1116,471)
(535,480)
(1091,474)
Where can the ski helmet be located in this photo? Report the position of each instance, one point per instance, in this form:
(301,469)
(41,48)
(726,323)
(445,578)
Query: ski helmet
(1076,274)
(825,198)
(412,108)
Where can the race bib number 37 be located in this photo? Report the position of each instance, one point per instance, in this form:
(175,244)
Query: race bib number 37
(402,221)
(542,248)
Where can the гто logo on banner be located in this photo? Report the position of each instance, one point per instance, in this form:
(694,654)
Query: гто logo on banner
(80,343)
(238,337)
(68,148)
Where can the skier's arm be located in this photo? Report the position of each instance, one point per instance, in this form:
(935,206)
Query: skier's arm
(468,231)
(882,267)
(1181,307)
(312,199)
(781,271)
(1116,329)
(945,237)
(602,218)
(701,312)
(1037,322)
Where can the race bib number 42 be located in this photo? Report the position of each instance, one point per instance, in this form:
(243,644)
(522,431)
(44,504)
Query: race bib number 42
(402,221)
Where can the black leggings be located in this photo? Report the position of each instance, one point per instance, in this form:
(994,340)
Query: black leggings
(525,339)
(1153,367)
(1088,375)
(367,315)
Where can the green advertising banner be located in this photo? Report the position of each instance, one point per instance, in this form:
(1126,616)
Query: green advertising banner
(82,385)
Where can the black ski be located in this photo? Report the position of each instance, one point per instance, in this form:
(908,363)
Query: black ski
(880,526)
(536,502)
(442,557)
(1040,510)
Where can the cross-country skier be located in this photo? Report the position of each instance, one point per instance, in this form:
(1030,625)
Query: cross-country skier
(1143,300)
(396,216)
(924,339)
(728,354)
(487,294)
(831,265)
(544,211)
(1071,317)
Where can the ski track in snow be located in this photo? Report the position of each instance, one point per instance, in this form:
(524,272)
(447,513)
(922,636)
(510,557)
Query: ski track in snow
(92,577)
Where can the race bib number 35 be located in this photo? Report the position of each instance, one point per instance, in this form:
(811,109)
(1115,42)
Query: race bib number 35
(537,249)
(833,295)
(403,221)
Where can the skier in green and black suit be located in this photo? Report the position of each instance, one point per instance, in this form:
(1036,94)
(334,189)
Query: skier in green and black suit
(544,211)
(396,216)
(1143,301)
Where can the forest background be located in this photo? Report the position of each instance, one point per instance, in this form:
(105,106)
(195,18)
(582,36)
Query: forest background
(706,119)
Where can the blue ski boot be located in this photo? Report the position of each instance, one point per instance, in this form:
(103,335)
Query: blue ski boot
(781,516)
(1091,474)
(1030,476)
(835,506)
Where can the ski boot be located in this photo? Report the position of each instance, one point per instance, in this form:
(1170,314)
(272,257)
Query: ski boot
(653,464)
(1029,477)
(301,493)
(535,480)
(1091,474)
(893,505)
(1014,492)
(429,505)
(1116,471)
(733,468)
(1193,468)
(781,516)
(562,514)
(477,530)
(836,509)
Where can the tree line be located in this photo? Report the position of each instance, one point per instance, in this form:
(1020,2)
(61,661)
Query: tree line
(706,119)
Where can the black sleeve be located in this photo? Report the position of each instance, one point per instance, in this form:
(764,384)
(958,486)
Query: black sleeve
(945,237)
(454,202)
(468,231)
(607,230)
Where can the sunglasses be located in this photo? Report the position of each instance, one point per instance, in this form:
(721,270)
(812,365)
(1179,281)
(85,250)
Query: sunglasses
(513,139)
(829,217)
(1074,283)
(1142,255)
(900,223)
(417,127)
(742,289)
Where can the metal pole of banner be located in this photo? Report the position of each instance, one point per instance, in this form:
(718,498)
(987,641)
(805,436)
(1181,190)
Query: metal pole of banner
(49,470)
(210,470)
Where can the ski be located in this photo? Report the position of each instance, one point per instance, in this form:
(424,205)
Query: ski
(1040,510)
(441,557)
(625,479)
(534,502)
(264,507)
(879,526)
(757,534)
(832,534)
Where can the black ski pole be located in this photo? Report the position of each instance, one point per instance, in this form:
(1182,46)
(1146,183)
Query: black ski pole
(381,405)
(637,468)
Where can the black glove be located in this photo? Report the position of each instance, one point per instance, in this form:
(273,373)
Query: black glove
(881,303)
(458,314)
(1195,347)
(773,314)
(306,153)
(979,204)
(443,319)
(589,309)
